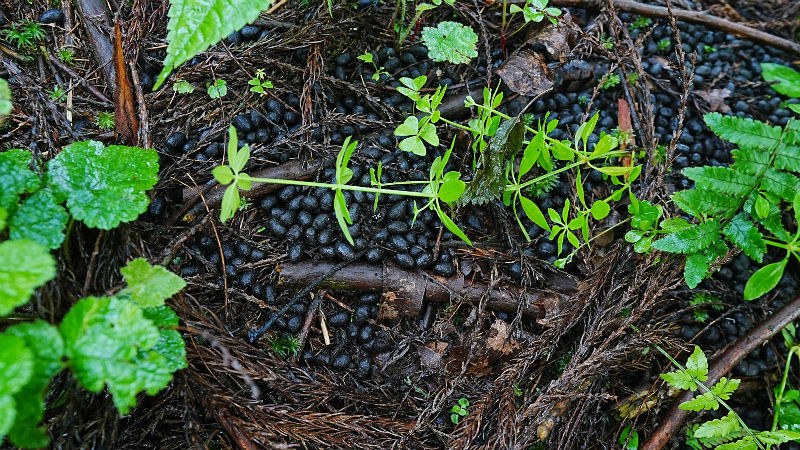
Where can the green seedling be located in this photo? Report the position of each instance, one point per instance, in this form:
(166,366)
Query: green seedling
(440,189)
(105,120)
(57,94)
(610,80)
(66,56)
(25,35)
(182,87)
(258,84)
(641,22)
(664,44)
(379,71)
(459,410)
(536,11)
(284,346)
(217,90)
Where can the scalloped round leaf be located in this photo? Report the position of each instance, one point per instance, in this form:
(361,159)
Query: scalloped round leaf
(8,413)
(5,100)
(600,209)
(170,344)
(24,266)
(45,342)
(16,178)
(109,342)
(450,41)
(40,219)
(104,185)
(149,286)
(16,364)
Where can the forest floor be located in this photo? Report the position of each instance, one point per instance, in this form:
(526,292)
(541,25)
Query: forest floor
(381,351)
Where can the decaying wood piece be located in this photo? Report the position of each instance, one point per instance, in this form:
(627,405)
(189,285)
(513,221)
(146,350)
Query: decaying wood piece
(127,124)
(404,290)
(95,15)
(722,365)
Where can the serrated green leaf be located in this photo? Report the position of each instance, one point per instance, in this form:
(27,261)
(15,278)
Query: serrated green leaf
(696,268)
(777,437)
(16,364)
(690,239)
(674,224)
(47,349)
(104,185)
(723,180)
(110,342)
(170,344)
(8,412)
(742,232)
(5,99)
(679,380)
(788,79)
(700,202)
(764,280)
(697,364)
(149,286)
(719,427)
(743,131)
(196,25)
(24,266)
(39,219)
(450,41)
(16,178)
(644,215)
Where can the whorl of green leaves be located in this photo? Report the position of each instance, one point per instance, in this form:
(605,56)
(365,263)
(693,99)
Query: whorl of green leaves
(740,205)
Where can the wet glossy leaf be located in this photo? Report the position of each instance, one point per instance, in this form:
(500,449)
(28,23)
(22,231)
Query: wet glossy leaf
(104,185)
(764,280)
(450,41)
(40,219)
(24,266)
(149,286)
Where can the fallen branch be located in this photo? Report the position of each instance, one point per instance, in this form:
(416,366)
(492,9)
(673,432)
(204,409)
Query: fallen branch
(404,291)
(722,365)
(685,15)
(292,170)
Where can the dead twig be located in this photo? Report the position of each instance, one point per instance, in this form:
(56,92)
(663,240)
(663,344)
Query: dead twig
(685,15)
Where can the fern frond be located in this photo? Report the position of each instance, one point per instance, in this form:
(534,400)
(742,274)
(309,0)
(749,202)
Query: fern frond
(724,180)
(691,239)
(715,441)
(742,232)
(788,157)
(719,428)
(743,131)
(782,184)
(703,202)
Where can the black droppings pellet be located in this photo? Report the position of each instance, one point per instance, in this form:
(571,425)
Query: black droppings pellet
(339,319)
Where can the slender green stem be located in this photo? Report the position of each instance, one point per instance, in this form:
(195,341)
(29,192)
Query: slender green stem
(345,187)
(779,397)
(454,124)
(518,187)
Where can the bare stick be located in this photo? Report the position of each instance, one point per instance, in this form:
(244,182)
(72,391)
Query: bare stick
(685,15)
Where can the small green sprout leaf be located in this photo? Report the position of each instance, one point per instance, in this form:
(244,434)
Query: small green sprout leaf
(450,41)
